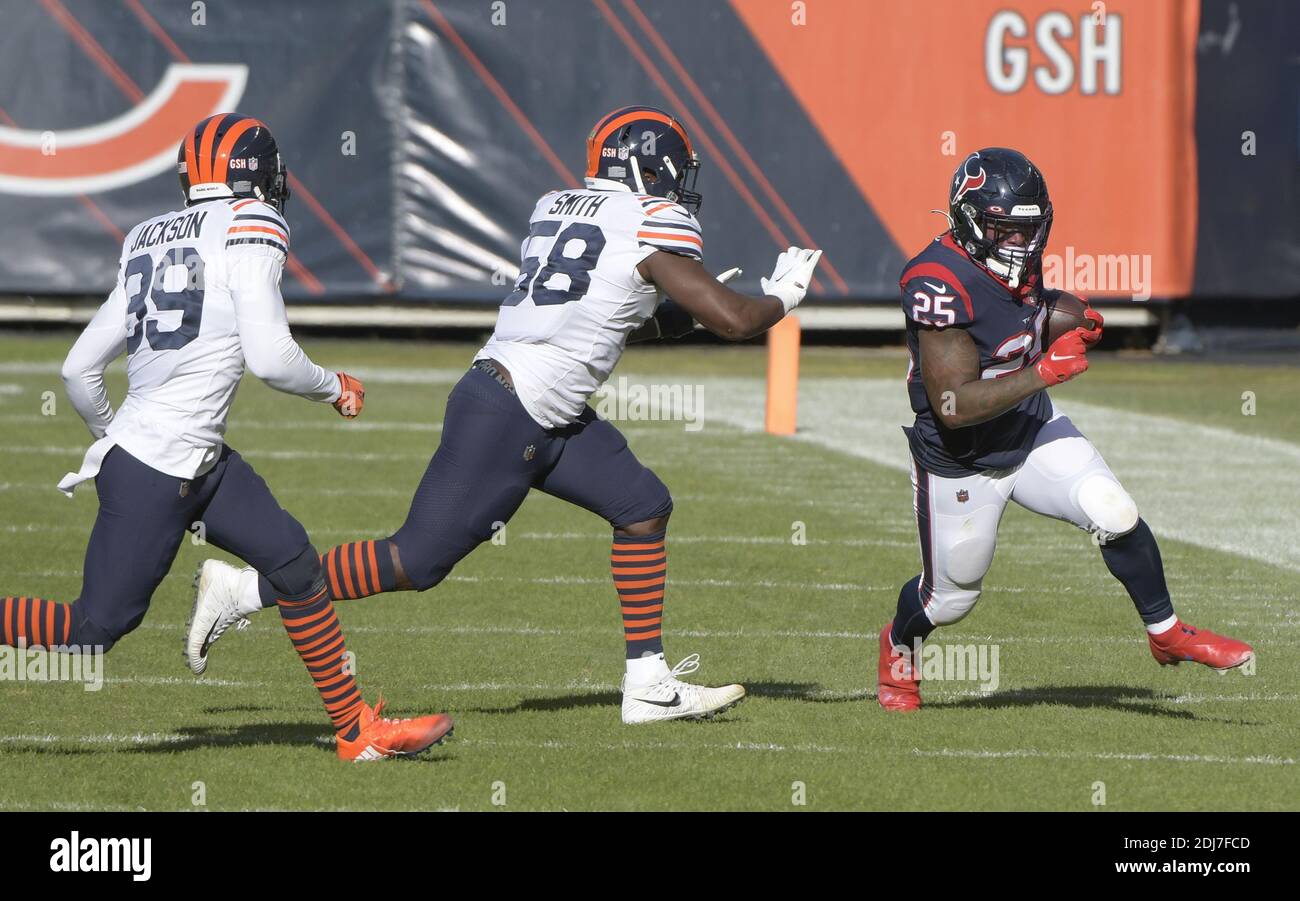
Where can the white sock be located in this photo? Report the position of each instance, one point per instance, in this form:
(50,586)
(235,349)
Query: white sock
(645,670)
(250,598)
(1163,626)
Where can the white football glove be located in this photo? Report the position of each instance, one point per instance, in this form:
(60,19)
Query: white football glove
(791,275)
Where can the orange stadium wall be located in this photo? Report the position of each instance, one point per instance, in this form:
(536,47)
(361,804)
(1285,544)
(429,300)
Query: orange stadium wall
(1101,97)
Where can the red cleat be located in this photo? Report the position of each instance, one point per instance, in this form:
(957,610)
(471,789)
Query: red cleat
(899,688)
(1183,642)
(381,738)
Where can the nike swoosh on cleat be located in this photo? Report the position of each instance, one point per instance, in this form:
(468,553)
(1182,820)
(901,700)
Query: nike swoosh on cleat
(675,702)
(1055,357)
(207,639)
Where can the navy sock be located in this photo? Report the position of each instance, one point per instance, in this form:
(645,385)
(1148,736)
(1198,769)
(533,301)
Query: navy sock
(910,622)
(1134,559)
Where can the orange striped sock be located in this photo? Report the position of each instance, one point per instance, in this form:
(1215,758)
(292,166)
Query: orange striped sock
(639,564)
(35,622)
(314,630)
(358,569)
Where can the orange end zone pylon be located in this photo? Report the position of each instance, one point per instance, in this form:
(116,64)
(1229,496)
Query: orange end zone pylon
(783,376)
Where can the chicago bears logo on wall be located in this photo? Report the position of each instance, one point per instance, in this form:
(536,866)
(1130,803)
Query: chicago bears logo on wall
(132,147)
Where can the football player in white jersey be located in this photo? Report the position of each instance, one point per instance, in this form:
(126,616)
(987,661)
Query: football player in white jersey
(595,266)
(197,300)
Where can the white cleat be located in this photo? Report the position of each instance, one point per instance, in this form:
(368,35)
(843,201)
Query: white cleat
(671,699)
(217,592)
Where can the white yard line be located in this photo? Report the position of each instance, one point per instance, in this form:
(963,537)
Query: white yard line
(155,738)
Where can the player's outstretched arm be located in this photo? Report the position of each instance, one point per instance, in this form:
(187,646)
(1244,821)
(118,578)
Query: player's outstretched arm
(270,351)
(102,341)
(950,369)
(670,320)
(724,312)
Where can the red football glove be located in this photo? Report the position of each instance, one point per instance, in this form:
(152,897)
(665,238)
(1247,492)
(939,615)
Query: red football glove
(1066,358)
(1092,337)
(352,396)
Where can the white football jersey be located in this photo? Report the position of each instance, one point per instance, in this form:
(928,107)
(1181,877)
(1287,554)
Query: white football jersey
(187,281)
(579,293)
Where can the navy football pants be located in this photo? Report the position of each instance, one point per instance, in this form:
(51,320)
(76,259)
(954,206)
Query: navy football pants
(143,517)
(492,453)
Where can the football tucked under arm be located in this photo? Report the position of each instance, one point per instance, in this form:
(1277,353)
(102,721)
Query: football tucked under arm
(1066,312)
(102,341)
(270,350)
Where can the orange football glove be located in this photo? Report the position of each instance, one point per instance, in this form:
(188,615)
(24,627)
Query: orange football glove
(352,396)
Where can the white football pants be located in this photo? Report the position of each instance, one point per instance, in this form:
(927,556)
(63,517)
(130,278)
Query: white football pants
(957,519)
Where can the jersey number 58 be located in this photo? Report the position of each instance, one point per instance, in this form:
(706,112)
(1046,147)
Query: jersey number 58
(532,283)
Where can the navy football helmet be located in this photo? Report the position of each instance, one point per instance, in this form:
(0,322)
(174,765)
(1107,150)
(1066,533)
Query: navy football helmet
(229,155)
(647,150)
(1000,212)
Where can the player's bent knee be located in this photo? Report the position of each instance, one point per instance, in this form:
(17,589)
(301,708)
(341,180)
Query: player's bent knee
(951,605)
(1109,508)
(423,569)
(650,501)
(428,574)
(298,576)
(87,633)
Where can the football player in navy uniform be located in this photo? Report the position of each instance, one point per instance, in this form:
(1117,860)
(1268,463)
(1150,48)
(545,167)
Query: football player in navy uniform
(986,431)
(594,269)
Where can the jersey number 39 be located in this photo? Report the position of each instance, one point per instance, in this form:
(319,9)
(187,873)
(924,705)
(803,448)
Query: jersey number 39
(176,283)
(533,277)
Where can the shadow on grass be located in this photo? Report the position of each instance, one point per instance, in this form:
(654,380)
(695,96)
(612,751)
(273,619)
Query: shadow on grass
(298,736)
(783,690)
(1121,698)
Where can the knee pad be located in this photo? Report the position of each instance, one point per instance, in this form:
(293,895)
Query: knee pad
(949,605)
(299,576)
(967,560)
(1107,505)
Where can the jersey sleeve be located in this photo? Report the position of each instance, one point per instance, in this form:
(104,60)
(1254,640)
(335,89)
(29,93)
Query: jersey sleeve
(933,297)
(270,350)
(258,228)
(101,342)
(667,226)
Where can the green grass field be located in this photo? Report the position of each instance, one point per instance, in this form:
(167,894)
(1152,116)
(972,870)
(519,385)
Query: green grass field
(522,644)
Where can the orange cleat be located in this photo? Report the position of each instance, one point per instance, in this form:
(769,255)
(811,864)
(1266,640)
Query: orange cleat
(1183,642)
(380,738)
(899,688)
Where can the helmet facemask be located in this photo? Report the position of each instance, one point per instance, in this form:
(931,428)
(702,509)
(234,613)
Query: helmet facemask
(685,194)
(1009,246)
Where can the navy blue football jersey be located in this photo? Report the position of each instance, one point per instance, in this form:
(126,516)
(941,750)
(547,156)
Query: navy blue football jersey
(943,288)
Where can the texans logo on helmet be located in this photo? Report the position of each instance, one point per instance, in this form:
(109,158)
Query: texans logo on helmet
(970,181)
